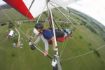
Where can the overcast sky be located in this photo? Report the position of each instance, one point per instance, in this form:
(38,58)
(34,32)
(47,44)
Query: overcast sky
(93,8)
(2,2)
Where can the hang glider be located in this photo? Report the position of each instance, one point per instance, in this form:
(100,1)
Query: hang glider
(33,8)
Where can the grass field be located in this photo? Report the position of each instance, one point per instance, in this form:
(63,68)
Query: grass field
(76,53)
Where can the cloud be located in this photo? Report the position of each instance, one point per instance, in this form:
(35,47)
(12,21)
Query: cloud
(2,2)
(92,8)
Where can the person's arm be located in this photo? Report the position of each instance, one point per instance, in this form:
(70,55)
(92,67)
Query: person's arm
(36,36)
(55,48)
(46,45)
(37,39)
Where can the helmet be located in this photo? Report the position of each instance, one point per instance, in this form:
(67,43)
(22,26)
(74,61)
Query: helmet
(39,26)
(68,31)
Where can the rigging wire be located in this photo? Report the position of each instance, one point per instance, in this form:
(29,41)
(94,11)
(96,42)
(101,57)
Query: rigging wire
(55,42)
(63,14)
(29,8)
(62,51)
(28,37)
(72,25)
(71,57)
(53,26)
(75,57)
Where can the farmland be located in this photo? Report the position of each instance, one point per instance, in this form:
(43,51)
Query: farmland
(85,50)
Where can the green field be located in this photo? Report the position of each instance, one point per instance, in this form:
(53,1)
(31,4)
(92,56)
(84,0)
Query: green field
(77,53)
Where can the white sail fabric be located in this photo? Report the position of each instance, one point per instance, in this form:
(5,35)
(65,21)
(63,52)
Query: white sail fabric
(40,6)
(33,8)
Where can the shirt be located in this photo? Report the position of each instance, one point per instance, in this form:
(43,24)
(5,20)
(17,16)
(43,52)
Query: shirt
(41,37)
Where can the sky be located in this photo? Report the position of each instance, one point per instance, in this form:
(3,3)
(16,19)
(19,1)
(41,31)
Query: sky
(2,2)
(92,8)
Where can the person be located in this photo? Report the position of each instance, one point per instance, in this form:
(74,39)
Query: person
(47,36)
(11,33)
(11,30)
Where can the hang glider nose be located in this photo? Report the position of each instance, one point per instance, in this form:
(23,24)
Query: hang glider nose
(20,6)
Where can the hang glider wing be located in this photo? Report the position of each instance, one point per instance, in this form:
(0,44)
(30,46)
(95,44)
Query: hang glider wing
(33,8)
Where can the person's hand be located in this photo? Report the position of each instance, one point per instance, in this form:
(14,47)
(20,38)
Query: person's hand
(55,49)
(45,53)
